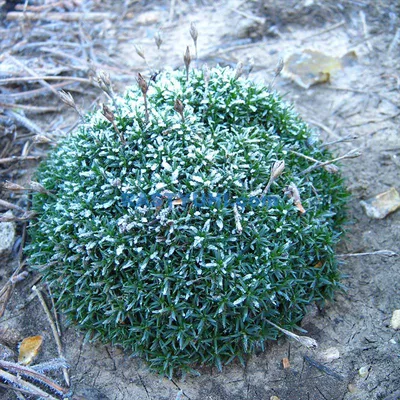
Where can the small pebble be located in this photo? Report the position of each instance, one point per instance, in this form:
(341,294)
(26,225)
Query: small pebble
(363,371)
(9,336)
(392,341)
(382,205)
(351,387)
(395,321)
(330,354)
(7,235)
(274,398)
(286,363)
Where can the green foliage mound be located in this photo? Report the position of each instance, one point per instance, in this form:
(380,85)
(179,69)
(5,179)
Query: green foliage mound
(166,242)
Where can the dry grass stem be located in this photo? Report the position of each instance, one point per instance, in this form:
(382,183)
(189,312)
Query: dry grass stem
(58,16)
(53,329)
(10,206)
(194,34)
(239,70)
(144,87)
(109,115)
(18,158)
(29,108)
(384,253)
(187,60)
(351,154)
(306,341)
(331,168)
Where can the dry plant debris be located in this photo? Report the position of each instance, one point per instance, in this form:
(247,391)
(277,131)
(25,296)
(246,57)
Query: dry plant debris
(29,348)
(310,67)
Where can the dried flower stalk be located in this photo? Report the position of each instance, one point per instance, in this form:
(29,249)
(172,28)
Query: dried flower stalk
(67,98)
(107,112)
(179,107)
(306,341)
(144,88)
(194,34)
(187,60)
(351,154)
(158,39)
(293,193)
(239,70)
(54,330)
(277,72)
(276,171)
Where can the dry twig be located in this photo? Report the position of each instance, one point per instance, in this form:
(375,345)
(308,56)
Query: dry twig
(351,154)
(53,329)
(58,16)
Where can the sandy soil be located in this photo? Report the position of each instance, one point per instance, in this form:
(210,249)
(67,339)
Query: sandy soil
(361,100)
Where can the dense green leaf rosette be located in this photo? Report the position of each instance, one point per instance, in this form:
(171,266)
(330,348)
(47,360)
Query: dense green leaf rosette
(167,244)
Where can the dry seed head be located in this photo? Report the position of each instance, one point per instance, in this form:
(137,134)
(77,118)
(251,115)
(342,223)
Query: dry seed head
(249,66)
(37,187)
(12,186)
(104,77)
(239,70)
(277,169)
(308,342)
(67,98)
(187,58)
(142,83)
(40,139)
(179,107)
(279,67)
(193,32)
(353,154)
(331,168)
(158,39)
(104,81)
(292,192)
(140,52)
(18,278)
(108,113)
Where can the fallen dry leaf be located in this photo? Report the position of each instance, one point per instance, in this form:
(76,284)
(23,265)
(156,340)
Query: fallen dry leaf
(310,67)
(29,349)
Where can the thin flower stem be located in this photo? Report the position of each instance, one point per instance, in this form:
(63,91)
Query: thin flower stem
(350,154)
(304,340)
(54,330)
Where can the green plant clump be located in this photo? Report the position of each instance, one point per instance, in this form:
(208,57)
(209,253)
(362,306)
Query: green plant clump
(157,231)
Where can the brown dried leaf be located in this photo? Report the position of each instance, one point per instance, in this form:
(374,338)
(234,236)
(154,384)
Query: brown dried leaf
(309,67)
(29,349)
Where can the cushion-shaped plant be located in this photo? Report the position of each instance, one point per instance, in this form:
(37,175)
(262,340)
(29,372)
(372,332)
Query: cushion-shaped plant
(186,216)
